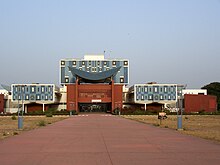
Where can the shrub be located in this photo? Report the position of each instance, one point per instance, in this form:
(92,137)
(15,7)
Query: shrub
(137,112)
(41,123)
(49,114)
(15,133)
(38,112)
(157,125)
(13,117)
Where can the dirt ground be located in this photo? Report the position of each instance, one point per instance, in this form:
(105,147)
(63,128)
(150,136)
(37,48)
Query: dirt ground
(9,127)
(204,126)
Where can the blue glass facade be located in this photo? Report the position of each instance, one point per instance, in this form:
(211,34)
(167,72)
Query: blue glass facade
(33,92)
(94,66)
(155,92)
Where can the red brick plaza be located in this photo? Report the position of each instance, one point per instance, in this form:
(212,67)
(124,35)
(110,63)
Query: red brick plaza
(105,139)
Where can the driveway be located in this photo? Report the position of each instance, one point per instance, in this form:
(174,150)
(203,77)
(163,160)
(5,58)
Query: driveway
(102,139)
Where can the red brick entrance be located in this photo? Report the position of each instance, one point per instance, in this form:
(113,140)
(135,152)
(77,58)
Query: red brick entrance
(94,93)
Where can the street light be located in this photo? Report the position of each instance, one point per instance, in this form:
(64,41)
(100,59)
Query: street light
(20,115)
(179,117)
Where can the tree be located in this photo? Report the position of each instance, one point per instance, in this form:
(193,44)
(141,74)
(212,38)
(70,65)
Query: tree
(214,89)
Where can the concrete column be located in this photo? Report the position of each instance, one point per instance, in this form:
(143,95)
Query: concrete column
(43,107)
(25,108)
(113,95)
(145,106)
(76,104)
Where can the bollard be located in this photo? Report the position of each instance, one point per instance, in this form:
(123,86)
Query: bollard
(179,122)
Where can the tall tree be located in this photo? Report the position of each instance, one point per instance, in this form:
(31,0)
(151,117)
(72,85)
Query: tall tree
(214,89)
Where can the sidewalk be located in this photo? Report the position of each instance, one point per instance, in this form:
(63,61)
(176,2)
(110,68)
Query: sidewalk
(99,139)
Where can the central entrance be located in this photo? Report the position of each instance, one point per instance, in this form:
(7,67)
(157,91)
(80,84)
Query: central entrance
(94,107)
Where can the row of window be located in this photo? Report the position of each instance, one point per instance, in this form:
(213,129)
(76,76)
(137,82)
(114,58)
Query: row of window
(97,63)
(93,69)
(33,97)
(121,80)
(156,97)
(156,89)
(33,89)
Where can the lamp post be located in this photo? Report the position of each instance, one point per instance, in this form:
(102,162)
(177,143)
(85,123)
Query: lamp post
(179,116)
(20,114)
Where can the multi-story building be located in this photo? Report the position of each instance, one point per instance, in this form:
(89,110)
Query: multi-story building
(194,91)
(94,83)
(155,95)
(94,64)
(35,96)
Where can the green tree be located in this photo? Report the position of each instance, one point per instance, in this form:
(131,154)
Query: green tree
(214,89)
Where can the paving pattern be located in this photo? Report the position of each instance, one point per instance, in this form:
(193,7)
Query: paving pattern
(102,139)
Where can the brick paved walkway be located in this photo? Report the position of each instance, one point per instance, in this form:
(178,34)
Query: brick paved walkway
(101,139)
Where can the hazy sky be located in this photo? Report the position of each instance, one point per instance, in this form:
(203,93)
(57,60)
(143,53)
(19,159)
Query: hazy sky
(167,41)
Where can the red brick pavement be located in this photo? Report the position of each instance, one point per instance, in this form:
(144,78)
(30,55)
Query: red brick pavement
(104,140)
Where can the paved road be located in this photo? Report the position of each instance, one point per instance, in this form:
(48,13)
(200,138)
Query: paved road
(105,140)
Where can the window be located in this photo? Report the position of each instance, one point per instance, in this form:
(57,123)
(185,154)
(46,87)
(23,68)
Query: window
(125,63)
(83,62)
(32,97)
(137,97)
(145,89)
(32,89)
(142,89)
(38,97)
(165,89)
(22,89)
(66,80)
(27,97)
(169,97)
(46,97)
(161,97)
(98,63)
(150,97)
(74,62)
(150,89)
(121,80)
(145,97)
(38,89)
(142,97)
(161,89)
(62,62)
(113,62)
(42,89)
(155,89)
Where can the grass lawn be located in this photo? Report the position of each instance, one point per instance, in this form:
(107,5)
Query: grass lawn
(204,126)
(9,127)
